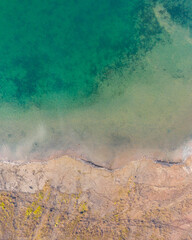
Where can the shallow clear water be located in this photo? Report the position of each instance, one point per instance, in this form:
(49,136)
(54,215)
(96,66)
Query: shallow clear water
(103,78)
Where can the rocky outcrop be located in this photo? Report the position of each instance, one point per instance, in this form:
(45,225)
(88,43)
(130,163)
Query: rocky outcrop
(66,198)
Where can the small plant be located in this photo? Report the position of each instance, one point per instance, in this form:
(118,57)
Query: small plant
(83,207)
(2,205)
(38,212)
(29,211)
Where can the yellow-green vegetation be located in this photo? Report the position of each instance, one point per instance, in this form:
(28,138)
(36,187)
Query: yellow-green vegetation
(2,205)
(41,195)
(35,210)
(38,212)
(29,211)
(6,206)
(57,221)
(83,207)
(6,214)
(70,216)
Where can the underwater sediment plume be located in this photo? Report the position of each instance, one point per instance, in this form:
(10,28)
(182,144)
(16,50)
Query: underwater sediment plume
(95,119)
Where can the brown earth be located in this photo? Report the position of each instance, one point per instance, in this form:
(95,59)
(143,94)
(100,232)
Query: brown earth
(66,198)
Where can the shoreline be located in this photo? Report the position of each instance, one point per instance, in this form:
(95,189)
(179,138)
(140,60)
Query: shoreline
(124,157)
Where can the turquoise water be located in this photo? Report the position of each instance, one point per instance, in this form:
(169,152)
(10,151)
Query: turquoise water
(97,77)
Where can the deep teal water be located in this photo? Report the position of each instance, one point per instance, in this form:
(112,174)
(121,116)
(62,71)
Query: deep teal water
(104,75)
(62,46)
